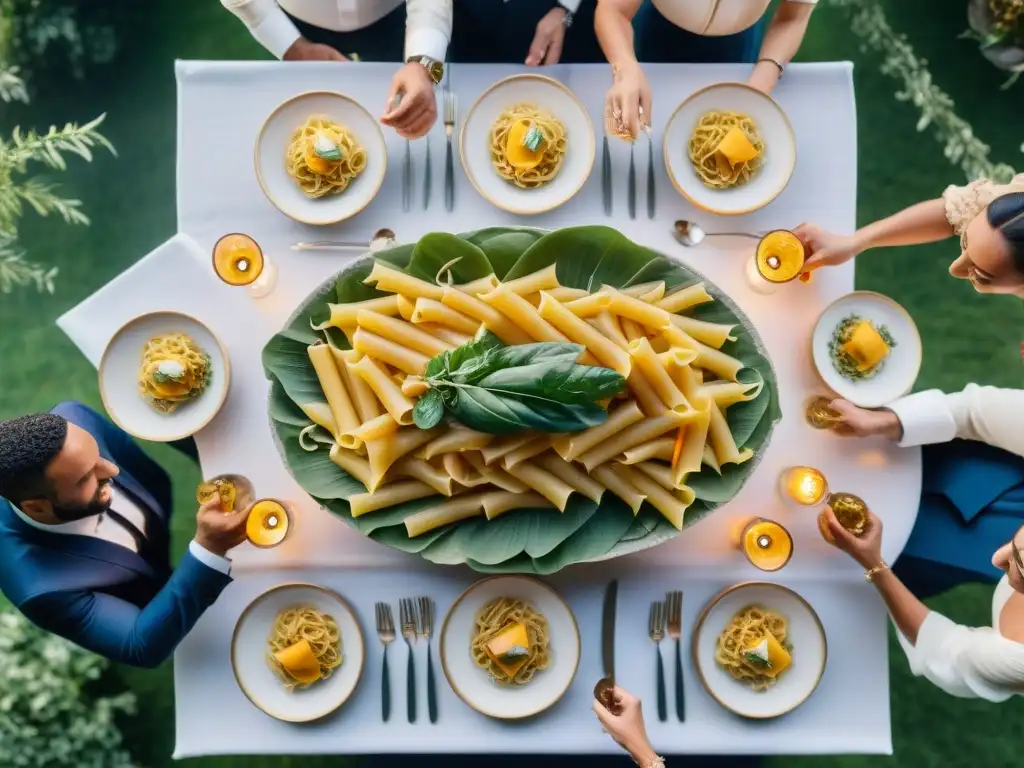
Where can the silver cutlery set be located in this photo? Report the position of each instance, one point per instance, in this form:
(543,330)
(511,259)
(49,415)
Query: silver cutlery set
(666,618)
(631,188)
(415,620)
(449,113)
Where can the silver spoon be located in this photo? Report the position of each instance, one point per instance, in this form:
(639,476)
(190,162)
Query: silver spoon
(382,238)
(690,234)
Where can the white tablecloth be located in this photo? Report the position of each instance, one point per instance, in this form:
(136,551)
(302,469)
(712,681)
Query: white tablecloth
(218,193)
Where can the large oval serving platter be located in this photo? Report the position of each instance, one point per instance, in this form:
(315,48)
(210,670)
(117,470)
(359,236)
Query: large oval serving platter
(531,540)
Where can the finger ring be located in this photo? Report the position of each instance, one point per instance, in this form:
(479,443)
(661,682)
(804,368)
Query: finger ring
(617,114)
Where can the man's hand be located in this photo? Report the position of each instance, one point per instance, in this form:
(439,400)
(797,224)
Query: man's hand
(862,422)
(218,531)
(417,110)
(304,50)
(546,47)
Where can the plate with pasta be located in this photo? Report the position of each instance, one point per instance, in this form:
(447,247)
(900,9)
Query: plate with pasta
(729,149)
(759,649)
(510,647)
(527,144)
(163,376)
(488,399)
(297,652)
(320,157)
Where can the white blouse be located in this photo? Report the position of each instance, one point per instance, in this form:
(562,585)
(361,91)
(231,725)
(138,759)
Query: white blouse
(716,17)
(970,662)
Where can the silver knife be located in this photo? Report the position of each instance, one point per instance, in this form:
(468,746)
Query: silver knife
(602,691)
(606,177)
(650,176)
(427,183)
(632,183)
(407,177)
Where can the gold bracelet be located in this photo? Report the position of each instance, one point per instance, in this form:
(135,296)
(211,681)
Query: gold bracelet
(869,575)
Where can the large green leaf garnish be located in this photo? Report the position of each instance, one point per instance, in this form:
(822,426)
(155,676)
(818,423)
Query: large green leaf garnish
(757,661)
(502,390)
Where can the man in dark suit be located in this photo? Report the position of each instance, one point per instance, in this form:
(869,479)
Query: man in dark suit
(84,535)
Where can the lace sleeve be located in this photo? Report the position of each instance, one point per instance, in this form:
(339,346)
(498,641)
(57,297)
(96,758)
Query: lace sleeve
(964,203)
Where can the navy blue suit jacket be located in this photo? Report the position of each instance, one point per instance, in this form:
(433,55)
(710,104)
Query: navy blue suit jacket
(102,596)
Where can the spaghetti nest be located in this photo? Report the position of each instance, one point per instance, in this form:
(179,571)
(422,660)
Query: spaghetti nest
(497,616)
(320,630)
(712,168)
(174,371)
(746,629)
(320,176)
(553,143)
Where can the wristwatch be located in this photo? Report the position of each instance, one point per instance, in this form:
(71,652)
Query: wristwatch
(567,21)
(434,67)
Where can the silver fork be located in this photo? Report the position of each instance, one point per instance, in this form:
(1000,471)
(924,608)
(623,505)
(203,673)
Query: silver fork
(386,633)
(427,181)
(674,600)
(407,178)
(407,608)
(426,628)
(450,106)
(656,630)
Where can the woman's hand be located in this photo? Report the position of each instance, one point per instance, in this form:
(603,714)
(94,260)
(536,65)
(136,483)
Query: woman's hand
(627,727)
(825,249)
(861,422)
(866,549)
(416,110)
(627,106)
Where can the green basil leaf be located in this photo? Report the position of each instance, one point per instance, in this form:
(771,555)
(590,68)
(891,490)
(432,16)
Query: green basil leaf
(471,355)
(561,381)
(486,411)
(437,365)
(438,249)
(528,354)
(429,410)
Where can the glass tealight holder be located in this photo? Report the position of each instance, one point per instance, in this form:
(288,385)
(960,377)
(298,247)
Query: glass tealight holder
(268,524)
(821,415)
(235,492)
(804,485)
(850,510)
(239,260)
(778,259)
(766,544)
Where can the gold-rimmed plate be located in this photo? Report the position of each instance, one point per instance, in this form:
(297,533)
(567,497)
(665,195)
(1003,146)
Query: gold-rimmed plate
(475,147)
(899,370)
(776,132)
(472,684)
(263,687)
(276,134)
(805,634)
(119,378)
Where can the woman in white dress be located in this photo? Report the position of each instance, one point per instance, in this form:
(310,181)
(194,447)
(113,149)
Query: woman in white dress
(691,31)
(968,508)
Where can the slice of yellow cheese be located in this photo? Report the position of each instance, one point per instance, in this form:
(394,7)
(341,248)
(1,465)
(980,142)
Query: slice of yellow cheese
(866,346)
(519,156)
(778,657)
(736,147)
(300,662)
(504,649)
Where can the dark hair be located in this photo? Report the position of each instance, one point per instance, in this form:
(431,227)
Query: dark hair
(27,446)
(1006,213)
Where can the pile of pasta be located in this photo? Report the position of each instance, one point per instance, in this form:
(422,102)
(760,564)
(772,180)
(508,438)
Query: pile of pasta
(668,422)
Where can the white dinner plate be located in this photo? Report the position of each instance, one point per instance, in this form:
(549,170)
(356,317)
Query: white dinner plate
(276,134)
(472,684)
(901,367)
(806,635)
(259,682)
(779,149)
(119,379)
(551,96)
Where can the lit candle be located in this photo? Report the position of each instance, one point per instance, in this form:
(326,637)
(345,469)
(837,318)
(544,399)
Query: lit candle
(821,415)
(778,258)
(268,523)
(804,485)
(239,260)
(766,544)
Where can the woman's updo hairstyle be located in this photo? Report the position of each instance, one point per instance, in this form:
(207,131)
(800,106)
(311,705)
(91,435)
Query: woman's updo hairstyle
(1006,214)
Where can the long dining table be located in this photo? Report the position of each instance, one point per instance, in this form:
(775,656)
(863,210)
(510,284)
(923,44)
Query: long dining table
(221,107)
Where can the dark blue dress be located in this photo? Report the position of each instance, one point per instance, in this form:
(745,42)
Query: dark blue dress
(659,40)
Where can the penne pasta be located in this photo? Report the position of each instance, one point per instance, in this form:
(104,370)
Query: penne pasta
(456,440)
(446,335)
(405,308)
(543,482)
(641,432)
(695,437)
(638,311)
(388,393)
(392,280)
(498,503)
(480,285)
(608,325)
(424,471)
(366,403)
(675,358)
(320,414)
(487,315)
(342,409)
(658,448)
(528,450)
(659,472)
(431,311)
(670,505)
(654,372)
(571,476)
(414,386)
(404,359)
(606,352)
(543,280)
(711,460)
(401,332)
(726,393)
(353,464)
(721,440)
(495,475)
(445,513)
(376,428)
(385,451)
(571,447)
(712,334)
(562,293)
(649,292)
(714,360)
(344,315)
(388,495)
(589,306)
(684,298)
(631,330)
(620,486)
(504,445)
(522,314)
(644,392)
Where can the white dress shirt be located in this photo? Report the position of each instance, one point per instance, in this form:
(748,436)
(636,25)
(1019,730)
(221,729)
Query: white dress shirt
(428,25)
(716,17)
(102,527)
(970,662)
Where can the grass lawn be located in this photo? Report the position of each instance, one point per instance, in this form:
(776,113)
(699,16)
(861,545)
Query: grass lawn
(131,201)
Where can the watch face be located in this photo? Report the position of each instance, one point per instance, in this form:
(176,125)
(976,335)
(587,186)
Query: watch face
(436,70)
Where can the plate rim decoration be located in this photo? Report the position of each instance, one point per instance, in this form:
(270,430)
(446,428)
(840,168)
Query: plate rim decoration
(699,624)
(462,143)
(245,613)
(679,187)
(444,630)
(105,359)
(259,139)
(851,394)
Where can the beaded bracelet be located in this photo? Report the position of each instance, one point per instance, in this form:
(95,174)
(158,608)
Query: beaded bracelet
(771,61)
